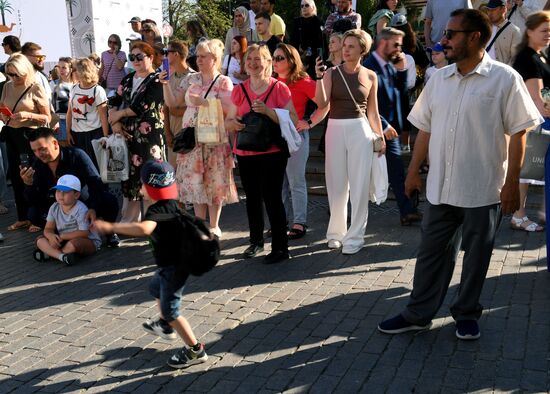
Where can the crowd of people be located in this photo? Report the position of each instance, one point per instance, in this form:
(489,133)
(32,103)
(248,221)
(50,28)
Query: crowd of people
(363,83)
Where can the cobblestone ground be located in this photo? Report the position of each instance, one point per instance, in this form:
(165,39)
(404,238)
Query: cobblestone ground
(306,325)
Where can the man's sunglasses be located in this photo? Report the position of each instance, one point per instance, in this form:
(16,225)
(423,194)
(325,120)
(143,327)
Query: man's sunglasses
(448,33)
(40,58)
(138,57)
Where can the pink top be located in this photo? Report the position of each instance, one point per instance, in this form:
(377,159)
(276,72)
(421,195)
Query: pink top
(302,91)
(111,73)
(279,98)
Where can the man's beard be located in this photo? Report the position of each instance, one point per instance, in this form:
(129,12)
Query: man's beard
(38,67)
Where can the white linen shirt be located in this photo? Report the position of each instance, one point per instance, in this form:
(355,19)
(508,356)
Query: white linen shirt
(467,118)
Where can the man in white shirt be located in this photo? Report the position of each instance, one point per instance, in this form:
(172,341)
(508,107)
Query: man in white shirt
(254,9)
(465,115)
(34,53)
(437,14)
(506,36)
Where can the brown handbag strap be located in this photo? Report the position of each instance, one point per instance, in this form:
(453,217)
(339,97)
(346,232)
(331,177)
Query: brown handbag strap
(18,100)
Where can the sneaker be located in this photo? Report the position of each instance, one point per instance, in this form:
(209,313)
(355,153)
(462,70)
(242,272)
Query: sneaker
(160,328)
(467,330)
(334,244)
(68,259)
(187,357)
(112,241)
(40,256)
(252,251)
(397,325)
(1,237)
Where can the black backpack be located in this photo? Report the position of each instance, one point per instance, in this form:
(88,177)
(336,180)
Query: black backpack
(199,249)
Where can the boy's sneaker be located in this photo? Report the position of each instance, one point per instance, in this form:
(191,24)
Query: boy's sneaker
(112,241)
(467,330)
(40,256)
(68,259)
(397,325)
(160,328)
(187,357)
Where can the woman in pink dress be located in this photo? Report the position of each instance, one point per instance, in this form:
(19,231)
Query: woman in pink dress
(205,175)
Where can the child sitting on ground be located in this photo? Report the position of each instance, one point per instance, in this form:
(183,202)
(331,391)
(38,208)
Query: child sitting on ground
(167,284)
(67,232)
(438,59)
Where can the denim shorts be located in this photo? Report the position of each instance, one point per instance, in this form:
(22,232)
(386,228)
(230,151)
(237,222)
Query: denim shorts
(167,285)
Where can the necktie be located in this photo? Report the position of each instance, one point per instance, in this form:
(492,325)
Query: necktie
(389,75)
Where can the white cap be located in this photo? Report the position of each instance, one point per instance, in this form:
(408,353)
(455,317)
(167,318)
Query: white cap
(134,37)
(67,183)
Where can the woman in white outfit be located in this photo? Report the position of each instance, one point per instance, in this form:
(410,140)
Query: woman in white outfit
(351,132)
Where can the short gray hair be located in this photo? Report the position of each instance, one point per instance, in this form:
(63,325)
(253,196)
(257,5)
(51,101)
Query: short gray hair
(387,33)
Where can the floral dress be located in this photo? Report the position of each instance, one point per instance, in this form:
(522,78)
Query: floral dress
(205,175)
(146,128)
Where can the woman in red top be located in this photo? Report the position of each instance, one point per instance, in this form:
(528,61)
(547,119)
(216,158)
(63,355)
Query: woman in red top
(290,70)
(262,173)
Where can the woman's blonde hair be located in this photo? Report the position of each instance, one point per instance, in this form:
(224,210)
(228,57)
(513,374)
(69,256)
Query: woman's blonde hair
(339,36)
(87,71)
(296,69)
(533,21)
(22,67)
(264,53)
(215,48)
(364,38)
(311,5)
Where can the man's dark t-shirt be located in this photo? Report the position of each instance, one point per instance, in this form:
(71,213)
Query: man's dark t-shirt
(272,43)
(167,235)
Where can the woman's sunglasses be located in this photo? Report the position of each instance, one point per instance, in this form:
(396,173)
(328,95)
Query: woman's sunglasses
(13,75)
(138,57)
(279,58)
(305,5)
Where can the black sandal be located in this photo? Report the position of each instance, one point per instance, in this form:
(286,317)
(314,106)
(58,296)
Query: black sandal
(296,233)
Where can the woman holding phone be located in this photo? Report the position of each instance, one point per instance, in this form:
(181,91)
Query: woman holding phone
(112,65)
(25,106)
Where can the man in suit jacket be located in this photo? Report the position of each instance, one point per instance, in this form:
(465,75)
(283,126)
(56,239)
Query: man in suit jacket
(388,62)
(503,47)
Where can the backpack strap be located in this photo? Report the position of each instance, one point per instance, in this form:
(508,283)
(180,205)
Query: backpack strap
(211,85)
(248,98)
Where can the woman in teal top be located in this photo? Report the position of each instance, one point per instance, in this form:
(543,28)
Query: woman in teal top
(384,12)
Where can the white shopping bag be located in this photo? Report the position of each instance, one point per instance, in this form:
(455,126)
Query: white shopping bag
(112,157)
(378,179)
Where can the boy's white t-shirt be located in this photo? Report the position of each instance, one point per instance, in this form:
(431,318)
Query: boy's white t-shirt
(75,220)
(84,102)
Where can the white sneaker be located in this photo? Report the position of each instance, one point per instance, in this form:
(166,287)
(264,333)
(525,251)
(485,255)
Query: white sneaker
(334,244)
(350,249)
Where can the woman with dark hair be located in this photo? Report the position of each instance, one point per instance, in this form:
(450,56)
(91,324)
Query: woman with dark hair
(534,67)
(136,114)
(196,33)
(233,64)
(384,12)
(11,44)
(112,65)
(307,35)
(61,92)
(29,103)
(289,69)
(241,27)
(151,35)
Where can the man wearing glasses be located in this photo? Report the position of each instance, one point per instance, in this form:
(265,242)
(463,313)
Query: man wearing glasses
(466,114)
(344,11)
(33,52)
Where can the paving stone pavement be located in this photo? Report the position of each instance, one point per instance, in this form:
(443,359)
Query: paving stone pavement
(305,325)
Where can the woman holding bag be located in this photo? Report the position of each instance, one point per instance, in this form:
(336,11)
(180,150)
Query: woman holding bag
(136,113)
(351,132)
(262,173)
(30,107)
(205,175)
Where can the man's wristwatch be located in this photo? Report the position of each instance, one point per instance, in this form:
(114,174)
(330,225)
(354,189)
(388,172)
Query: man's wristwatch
(310,123)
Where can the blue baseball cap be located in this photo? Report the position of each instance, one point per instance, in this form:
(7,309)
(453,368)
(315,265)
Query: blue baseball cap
(492,4)
(159,179)
(436,48)
(68,183)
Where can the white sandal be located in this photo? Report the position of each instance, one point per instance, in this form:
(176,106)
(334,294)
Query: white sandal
(524,224)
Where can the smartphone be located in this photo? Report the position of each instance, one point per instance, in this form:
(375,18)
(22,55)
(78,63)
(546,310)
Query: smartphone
(6,111)
(166,66)
(25,160)
(415,198)
(320,54)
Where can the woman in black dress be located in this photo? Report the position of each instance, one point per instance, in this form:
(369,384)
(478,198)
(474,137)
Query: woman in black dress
(534,67)
(307,36)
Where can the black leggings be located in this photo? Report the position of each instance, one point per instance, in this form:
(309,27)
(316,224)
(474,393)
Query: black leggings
(262,178)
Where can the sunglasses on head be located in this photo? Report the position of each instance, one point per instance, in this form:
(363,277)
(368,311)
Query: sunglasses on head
(279,58)
(305,5)
(137,57)
(448,33)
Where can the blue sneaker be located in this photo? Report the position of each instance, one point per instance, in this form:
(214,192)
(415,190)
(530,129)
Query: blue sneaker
(467,330)
(397,325)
